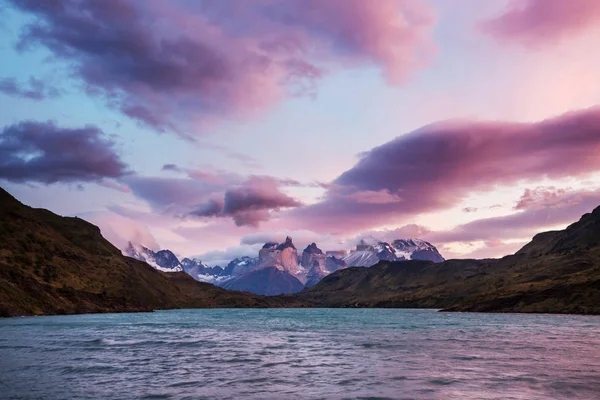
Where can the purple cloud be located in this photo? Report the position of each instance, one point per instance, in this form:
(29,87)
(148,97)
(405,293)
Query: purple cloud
(43,152)
(437,166)
(35,90)
(540,196)
(173,66)
(249,203)
(172,194)
(540,22)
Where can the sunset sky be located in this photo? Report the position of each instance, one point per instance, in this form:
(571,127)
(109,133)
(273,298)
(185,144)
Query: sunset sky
(211,126)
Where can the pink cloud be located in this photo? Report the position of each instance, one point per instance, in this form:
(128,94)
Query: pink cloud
(540,196)
(540,22)
(174,65)
(115,185)
(494,243)
(375,197)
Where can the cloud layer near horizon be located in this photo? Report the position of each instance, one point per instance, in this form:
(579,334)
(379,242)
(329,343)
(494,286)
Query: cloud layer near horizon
(162,62)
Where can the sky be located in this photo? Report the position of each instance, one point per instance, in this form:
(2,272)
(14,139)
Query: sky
(209,127)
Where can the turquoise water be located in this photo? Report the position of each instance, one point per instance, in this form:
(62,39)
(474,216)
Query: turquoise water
(300,354)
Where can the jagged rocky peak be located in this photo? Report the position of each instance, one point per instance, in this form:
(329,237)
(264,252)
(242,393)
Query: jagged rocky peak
(133,252)
(166,259)
(190,262)
(270,245)
(386,252)
(312,249)
(283,257)
(367,255)
(138,252)
(315,274)
(201,271)
(286,244)
(412,242)
(163,260)
(240,265)
(416,249)
(312,256)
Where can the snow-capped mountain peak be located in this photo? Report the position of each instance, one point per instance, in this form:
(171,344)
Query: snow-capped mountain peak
(162,260)
(308,268)
(367,255)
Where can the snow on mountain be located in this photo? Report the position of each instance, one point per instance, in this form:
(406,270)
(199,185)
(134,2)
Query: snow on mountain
(416,249)
(361,258)
(367,255)
(239,266)
(163,260)
(201,271)
(308,268)
(318,264)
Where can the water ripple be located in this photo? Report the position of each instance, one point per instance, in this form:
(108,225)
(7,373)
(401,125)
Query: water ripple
(304,354)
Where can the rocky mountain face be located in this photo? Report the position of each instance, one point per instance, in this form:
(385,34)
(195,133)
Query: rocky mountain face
(282,256)
(315,274)
(367,255)
(416,249)
(163,260)
(309,267)
(276,271)
(318,264)
(166,261)
(201,271)
(239,266)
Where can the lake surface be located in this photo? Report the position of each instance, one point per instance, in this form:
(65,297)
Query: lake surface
(300,354)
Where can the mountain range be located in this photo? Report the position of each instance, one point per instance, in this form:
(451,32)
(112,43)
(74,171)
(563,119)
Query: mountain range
(292,271)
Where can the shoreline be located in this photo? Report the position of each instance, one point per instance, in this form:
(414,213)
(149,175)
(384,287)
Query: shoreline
(441,310)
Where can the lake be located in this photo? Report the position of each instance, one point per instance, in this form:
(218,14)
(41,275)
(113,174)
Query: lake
(300,354)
